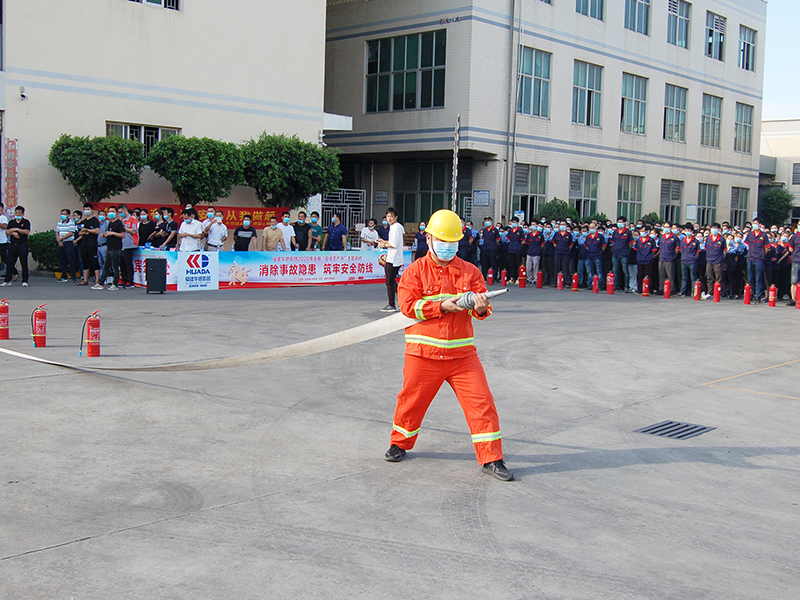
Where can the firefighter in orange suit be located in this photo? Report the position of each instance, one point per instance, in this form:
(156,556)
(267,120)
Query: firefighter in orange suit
(440,346)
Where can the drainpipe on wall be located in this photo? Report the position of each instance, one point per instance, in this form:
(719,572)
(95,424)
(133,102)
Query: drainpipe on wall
(506,201)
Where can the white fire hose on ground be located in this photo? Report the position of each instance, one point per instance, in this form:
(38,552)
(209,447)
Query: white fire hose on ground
(362,333)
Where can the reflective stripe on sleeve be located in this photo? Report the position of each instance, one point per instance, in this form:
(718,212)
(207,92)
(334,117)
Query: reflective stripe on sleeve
(406,433)
(418,306)
(437,343)
(485,437)
(437,297)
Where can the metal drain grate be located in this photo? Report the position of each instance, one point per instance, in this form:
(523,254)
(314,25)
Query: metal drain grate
(675,430)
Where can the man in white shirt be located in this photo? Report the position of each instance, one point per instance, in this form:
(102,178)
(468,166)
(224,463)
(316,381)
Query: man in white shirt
(289,240)
(215,231)
(369,237)
(394,257)
(190,233)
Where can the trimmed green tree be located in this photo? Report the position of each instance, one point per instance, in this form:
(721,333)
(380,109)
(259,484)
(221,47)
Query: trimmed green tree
(286,171)
(599,217)
(558,210)
(651,218)
(201,170)
(775,206)
(99,167)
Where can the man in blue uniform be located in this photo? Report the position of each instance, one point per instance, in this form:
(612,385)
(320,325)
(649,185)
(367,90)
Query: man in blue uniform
(621,240)
(756,242)
(514,235)
(490,240)
(668,250)
(562,242)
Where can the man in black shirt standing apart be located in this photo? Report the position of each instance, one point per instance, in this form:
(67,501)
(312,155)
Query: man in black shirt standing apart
(87,236)
(113,235)
(244,236)
(302,232)
(17,231)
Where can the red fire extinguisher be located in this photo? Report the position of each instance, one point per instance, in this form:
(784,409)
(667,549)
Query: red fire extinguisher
(523,276)
(646,287)
(610,284)
(39,326)
(773,295)
(561,281)
(539,280)
(596,284)
(698,287)
(4,319)
(717,291)
(574,282)
(748,293)
(667,289)
(491,277)
(91,328)
(503,278)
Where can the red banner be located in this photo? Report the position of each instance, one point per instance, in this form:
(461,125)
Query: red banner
(11,172)
(233,215)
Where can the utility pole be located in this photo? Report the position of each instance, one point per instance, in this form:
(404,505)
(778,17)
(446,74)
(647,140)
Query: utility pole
(454,192)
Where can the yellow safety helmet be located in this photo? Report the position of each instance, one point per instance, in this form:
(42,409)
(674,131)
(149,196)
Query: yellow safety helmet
(445,225)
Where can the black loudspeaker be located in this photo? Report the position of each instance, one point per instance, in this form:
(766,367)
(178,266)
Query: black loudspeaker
(156,274)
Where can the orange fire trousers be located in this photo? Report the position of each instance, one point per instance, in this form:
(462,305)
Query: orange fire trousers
(422,378)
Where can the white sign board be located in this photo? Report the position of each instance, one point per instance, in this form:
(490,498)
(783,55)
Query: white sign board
(481,198)
(381,196)
(520,214)
(198,271)
(691,212)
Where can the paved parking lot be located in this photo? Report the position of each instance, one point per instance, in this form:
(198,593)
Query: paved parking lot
(269,481)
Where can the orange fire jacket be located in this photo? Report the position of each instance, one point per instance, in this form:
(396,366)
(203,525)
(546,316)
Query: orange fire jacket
(423,287)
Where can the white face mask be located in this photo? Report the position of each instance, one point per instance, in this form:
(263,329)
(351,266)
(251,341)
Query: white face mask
(446,251)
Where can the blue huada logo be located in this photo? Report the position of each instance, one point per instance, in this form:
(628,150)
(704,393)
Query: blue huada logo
(198,264)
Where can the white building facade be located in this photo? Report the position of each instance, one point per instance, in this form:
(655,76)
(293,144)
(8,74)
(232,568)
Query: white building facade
(617,106)
(148,69)
(780,140)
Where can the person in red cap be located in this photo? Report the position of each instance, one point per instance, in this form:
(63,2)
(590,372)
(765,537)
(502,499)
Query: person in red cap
(439,347)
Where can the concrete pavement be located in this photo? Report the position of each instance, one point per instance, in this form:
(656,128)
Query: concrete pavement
(269,482)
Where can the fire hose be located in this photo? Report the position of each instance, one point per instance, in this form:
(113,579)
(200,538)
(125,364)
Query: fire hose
(340,339)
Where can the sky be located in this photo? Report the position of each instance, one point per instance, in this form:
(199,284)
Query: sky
(782,52)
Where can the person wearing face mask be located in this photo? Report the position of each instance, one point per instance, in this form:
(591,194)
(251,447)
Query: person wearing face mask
(170,230)
(784,266)
(383,230)
(422,244)
(244,236)
(286,228)
(793,245)
(216,232)
(271,237)
(89,229)
(65,236)
(114,233)
(465,242)
(668,249)
(440,347)
(316,232)
(147,227)
(595,243)
(535,242)
(562,245)
(646,249)
(621,241)
(716,248)
(102,245)
(474,244)
(190,233)
(690,249)
(756,242)
(490,244)
(206,223)
(394,257)
(548,261)
(515,237)
(369,237)
(17,231)
(336,236)
(302,232)
(129,244)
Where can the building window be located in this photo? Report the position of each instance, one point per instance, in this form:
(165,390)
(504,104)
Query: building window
(715,36)
(170,4)
(590,8)
(583,191)
(743,138)
(530,189)
(796,174)
(146,134)
(406,72)
(707,203)
(534,82)
(675,113)
(586,94)
(671,200)
(637,16)
(747,48)
(710,125)
(421,189)
(739,200)
(678,23)
(630,191)
(634,104)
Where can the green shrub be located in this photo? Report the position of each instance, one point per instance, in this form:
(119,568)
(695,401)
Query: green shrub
(44,250)
(651,218)
(599,217)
